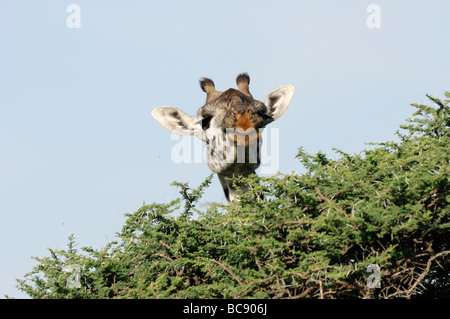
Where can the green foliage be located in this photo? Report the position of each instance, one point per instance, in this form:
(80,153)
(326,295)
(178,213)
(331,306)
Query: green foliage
(314,235)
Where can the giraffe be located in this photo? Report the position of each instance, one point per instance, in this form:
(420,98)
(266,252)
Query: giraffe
(230,123)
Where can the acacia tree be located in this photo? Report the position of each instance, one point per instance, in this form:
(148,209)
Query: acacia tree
(371,225)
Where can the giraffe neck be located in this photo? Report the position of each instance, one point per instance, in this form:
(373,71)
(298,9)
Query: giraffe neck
(230,190)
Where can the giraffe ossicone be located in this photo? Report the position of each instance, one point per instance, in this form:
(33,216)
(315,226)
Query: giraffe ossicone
(230,123)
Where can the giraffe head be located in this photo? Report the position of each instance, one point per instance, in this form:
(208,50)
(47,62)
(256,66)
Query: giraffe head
(230,123)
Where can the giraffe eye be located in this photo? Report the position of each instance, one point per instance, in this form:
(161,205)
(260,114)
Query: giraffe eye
(265,116)
(205,122)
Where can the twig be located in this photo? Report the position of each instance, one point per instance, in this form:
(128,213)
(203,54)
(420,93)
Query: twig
(165,257)
(292,222)
(425,272)
(256,282)
(407,293)
(165,245)
(321,196)
(227,270)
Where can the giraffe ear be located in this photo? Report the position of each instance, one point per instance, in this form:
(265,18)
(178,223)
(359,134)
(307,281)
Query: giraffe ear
(278,100)
(176,121)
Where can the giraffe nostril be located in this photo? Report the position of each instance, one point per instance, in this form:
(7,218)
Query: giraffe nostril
(206,122)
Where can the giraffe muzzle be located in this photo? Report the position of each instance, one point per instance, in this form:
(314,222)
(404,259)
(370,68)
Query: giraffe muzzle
(243,137)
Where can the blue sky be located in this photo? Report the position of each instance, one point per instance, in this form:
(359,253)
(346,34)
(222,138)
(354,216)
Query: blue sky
(79,148)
